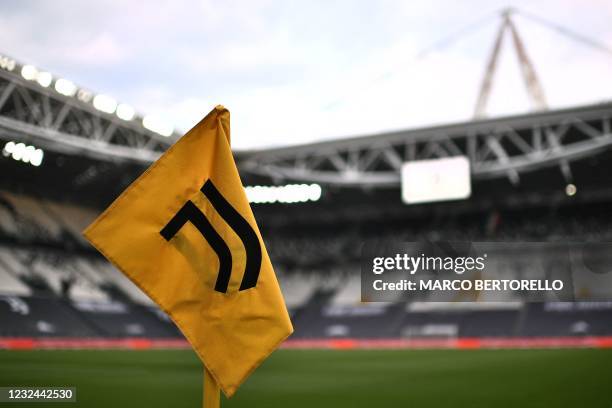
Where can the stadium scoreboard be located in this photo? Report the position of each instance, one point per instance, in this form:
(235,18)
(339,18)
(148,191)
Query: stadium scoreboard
(443,179)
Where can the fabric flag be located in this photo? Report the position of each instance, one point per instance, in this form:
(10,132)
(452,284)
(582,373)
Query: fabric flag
(185,234)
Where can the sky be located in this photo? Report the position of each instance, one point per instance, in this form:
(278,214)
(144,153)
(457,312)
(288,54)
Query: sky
(295,72)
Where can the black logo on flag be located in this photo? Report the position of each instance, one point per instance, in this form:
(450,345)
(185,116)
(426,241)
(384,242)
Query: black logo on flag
(190,212)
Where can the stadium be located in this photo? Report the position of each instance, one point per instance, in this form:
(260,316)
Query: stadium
(69,317)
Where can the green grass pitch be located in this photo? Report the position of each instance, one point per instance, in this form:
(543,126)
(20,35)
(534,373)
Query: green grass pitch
(300,378)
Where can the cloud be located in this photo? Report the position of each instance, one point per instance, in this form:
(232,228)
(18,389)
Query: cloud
(103,50)
(294,72)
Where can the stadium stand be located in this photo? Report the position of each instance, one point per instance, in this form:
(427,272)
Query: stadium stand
(52,284)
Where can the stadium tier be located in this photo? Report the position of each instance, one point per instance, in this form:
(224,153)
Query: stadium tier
(52,284)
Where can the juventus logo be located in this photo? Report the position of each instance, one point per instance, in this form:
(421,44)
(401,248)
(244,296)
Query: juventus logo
(190,212)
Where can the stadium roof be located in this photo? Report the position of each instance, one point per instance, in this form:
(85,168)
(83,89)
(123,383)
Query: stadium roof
(90,140)
(504,146)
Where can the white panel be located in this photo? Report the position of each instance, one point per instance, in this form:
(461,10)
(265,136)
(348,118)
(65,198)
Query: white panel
(436,180)
(297,288)
(11,285)
(349,293)
(125,284)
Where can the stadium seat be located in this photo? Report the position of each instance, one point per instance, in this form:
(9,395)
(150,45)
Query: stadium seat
(10,285)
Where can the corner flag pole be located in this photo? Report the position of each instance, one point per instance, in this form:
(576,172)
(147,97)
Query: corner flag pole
(211,391)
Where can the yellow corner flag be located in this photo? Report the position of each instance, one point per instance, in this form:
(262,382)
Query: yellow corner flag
(185,234)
